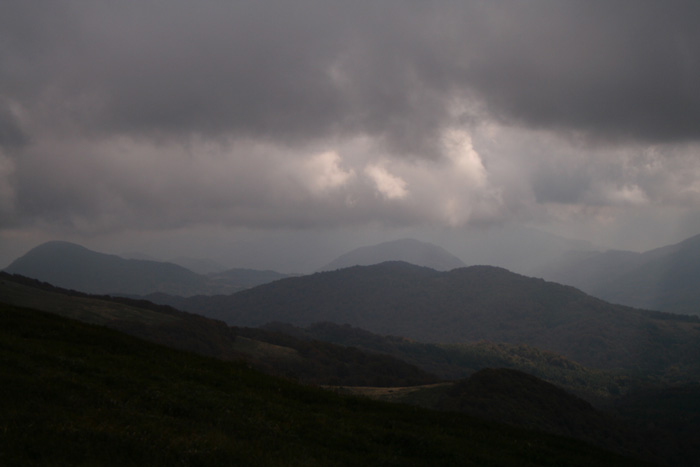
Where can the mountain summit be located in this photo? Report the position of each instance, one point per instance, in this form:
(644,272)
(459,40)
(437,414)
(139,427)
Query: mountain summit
(407,249)
(75,267)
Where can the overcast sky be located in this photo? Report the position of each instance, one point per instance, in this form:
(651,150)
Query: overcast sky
(243,129)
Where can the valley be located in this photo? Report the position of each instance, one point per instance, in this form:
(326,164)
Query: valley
(479,341)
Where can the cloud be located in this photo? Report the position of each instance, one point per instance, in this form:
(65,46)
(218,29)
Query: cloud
(621,69)
(627,194)
(7,192)
(388,185)
(325,173)
(12,135)
(321,114)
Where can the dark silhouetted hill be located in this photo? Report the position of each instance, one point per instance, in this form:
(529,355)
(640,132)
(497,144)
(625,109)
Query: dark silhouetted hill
(72,266)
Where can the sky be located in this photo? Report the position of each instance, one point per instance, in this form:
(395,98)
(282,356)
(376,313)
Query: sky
(277,134)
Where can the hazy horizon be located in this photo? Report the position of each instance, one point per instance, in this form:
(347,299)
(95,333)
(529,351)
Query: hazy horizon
(278,135)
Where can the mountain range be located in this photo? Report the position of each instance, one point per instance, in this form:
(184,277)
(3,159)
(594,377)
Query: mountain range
(466,305)
(666,278)
(104,377)
(456,321)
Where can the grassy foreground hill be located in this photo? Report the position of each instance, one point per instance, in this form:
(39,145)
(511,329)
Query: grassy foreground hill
(520,399)
(79,394)
(310,362)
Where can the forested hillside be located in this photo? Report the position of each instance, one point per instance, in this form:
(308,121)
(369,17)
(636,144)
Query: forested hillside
(468,305)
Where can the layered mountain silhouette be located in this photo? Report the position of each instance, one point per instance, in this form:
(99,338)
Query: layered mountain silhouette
(408,250)
(466,305)
(311,362)
(75,267)
(666,278)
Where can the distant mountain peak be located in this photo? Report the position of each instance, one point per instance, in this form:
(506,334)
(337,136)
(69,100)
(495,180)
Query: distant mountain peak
(407,249)
(73,266)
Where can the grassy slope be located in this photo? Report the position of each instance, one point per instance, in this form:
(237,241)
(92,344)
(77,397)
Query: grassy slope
(318,362)
(76,394)
(659,424)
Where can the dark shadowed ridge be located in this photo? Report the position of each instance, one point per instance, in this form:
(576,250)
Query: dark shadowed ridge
(408,250)
(466,305)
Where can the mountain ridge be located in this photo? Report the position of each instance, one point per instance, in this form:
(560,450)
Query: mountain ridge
(665,278)
(465,305)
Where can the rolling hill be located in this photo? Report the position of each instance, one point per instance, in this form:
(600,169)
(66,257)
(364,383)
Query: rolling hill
(660,425)
(467,305)
(72,266)
(408,250)
(309,355)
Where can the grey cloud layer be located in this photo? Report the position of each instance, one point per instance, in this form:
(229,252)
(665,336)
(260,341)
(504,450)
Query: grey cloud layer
(100,103)
(290,70)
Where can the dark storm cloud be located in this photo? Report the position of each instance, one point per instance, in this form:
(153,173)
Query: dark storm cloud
(300,70)
(616,70)
(119,115)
